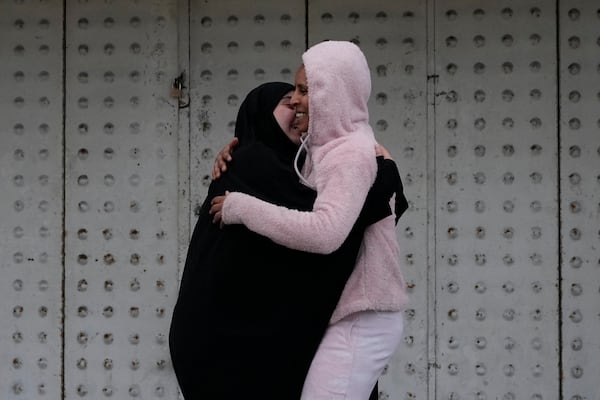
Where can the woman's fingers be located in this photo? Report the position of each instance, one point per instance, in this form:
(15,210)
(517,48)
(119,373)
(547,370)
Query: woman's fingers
(223,157)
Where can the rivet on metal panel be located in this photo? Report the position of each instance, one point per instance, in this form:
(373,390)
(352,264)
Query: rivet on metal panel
(537,315)
(575,262)
(480,369)
(82,363)
(508,314)
(18,232)
(108,153)
(535,94)
(536,343)
(536,259)
(480,259)
(480,232)
(82,390)
(576,344)
(134,338)
(452,259)
(134,312)
(508,259)
(134,259)
(480,287)
(453,343)
(82,338)
(509,370)
(537,370)
(452,368)
(109,259)
(452,206)
(452,287)
(17,337)
(576,289)
(134,285)
(576,316)
(161,338)
(134,364)
(453,314)
(480,342)
(108,311)
(479,41)
(536,287)
(451,15)
(478,69)
(82,311)
(43,311)
(535,123)
(452,232)
(479,178)
(108,338)
(134,391)
(480,314)
(17,285)
(17,388)
(17,311)
(508,206)
(535,206)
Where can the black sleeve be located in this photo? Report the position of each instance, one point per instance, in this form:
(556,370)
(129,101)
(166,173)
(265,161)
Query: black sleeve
(377,203)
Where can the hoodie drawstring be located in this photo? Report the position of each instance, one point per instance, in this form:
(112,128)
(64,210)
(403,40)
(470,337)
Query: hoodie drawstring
(304,141)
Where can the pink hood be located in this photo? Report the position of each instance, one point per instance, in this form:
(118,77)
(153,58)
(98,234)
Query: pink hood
(339,84)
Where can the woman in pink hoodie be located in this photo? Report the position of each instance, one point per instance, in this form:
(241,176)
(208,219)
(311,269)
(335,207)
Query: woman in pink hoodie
(330,99)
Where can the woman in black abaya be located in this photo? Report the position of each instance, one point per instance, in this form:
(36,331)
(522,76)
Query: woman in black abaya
(251,313)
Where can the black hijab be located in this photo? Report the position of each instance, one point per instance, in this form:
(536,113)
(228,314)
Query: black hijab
(263,162)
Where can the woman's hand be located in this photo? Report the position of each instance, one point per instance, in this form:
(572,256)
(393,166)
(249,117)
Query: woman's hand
(223,158)
(216,209)
(382,151)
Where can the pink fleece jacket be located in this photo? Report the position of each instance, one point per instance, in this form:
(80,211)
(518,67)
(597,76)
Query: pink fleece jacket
(341,166)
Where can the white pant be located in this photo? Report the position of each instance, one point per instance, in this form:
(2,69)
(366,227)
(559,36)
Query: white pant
(352,355)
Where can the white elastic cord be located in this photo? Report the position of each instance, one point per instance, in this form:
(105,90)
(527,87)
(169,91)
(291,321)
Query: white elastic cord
(304,141)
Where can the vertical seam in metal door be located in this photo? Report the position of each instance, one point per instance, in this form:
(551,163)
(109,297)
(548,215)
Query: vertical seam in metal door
(559,202)
(431,252)
(306,24)
(64,200)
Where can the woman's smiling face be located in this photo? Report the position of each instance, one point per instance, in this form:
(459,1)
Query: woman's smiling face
(299,100)
(286,118)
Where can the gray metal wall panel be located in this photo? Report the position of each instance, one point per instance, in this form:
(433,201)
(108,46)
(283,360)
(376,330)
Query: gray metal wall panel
(31,199)
(481,166)
(496,191)
(393,38)
(580,197)
(121,199)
